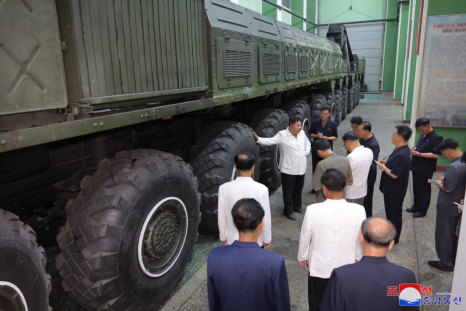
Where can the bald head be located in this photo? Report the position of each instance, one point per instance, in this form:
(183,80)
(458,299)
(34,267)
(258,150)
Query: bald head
(378,231)
(244,161)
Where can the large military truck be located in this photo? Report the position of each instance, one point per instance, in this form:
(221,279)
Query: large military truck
(119,120)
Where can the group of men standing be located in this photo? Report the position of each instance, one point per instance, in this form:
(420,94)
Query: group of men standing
(335,231)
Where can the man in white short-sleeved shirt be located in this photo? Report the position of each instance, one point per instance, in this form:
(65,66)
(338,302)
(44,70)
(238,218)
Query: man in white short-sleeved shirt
(294,148)
(243,187)
(329,235)
(360,159)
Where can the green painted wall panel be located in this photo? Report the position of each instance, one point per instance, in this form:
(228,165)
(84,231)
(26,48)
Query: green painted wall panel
(269,10)
(254,5)
(444,7)
(311,14)
(337,11)
(454,133)
(297,6)
(390,44)
(404,11)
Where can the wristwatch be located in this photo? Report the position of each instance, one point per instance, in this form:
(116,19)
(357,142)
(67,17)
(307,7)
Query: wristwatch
(420,155)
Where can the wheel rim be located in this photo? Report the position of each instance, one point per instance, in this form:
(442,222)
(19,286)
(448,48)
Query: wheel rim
(306,126)
(11,297)
(162,236)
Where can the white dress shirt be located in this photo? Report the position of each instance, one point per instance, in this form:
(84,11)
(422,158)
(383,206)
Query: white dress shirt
(293,151)
(360,160)
(231,192)
(330,236)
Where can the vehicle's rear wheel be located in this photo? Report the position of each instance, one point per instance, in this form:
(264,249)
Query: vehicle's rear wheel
(130,232)
(334,106)
(341,103)
(300,109)
(358,92)
(212,159)
(267,123)
(24,285)
(318,100)
(344,102)
(352,100)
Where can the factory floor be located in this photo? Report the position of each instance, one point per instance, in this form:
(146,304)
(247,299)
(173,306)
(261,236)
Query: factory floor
(416,245)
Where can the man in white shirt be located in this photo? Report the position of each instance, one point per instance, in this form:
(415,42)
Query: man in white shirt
(294,148)
(360,159)
(329,235)
(243,187)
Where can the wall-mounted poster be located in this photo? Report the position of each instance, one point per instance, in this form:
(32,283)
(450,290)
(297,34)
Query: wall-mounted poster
(443,81)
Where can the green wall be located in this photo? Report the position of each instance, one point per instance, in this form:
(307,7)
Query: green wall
(446,7)
(403,31)
(253,5)
(297,6)
(339,11)
(389,47)
(311,15)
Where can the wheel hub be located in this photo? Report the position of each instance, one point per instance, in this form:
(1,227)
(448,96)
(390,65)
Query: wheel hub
(162,236)
(11,297)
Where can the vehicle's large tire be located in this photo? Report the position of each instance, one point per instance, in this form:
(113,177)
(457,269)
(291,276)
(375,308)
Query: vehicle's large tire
(339,99)
(130,232)
(318,100)
(352,97)
(334,106)
(300,109)
(24,285)
(212,159)
(344,102)
(358,92)
(267,123)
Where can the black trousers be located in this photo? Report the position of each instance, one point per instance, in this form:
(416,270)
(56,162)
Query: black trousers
(315,159)
(315,291)
(370,192)
(421,191)
(446,241)
(394,213)
(292,186)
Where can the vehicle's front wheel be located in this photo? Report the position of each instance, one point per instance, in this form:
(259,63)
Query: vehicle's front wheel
(130,232)
(212,159)
(267,123)
(24,285)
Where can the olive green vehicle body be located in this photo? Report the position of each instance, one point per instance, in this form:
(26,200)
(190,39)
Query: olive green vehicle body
(78,67)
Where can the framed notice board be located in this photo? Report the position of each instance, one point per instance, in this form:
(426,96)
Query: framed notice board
(443,80)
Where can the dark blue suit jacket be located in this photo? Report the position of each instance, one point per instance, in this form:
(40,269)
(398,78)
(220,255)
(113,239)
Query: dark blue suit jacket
(364,286)
(242,276)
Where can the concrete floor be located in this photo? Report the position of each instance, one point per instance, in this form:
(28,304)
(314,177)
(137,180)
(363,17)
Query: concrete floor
(416,245)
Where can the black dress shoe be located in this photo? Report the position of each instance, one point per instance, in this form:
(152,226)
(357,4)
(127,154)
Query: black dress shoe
(298,210)
(410,210)
(419,214)
(439,265)
(290,216)
(313,191)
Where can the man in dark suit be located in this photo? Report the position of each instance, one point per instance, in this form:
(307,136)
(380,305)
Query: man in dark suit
(423,165)
(364,285)
(395,177)
(243,276)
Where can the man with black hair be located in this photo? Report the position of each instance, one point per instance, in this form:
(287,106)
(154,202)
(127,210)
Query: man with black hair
(242,276)
(294,148)
(330,160)
(423,165)
(367,139)
(395,177)
(329,235)
(360,159)
(242,187)
(363,285)
(355,122)
(451,189)
(322,128)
